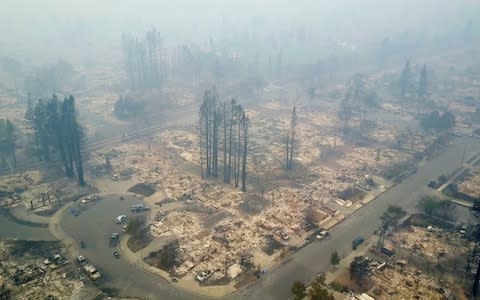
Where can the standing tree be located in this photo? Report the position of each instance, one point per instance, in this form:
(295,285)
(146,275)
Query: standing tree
(405,79)
(390,219)
(359,269)
(291,139)
(422,83)
(318,291)
(298,290)
(233,113)
(475,210)
(7,143)
(334,259)
(245,150)
(55,125)
(143,63)
(216,119)
(428,205)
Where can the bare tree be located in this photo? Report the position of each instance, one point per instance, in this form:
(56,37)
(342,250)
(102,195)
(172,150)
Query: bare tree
(291,139)
(245,149)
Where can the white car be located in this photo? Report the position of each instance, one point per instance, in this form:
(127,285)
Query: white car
(120,219)
(323,235)
(203,275)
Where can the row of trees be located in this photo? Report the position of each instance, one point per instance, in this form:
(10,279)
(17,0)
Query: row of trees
(223,126)
(358,99)
(291,139)
(7,143)
(53,127)
(143,60)
(437,121)
(408,85)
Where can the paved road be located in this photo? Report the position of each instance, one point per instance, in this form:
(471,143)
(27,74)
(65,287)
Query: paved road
(10,229)
(94,226)
(316,257)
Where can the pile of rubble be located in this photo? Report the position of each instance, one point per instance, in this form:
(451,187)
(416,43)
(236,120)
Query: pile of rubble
(182,142)
(217,225)
(471,186)
(431,243)
(26,278)
(406,282)
(11,186)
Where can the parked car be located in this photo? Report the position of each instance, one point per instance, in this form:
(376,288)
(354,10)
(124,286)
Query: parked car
(81,260)
(53,259)
(357,242)
(323,234)
(139,208)
(120,219)
(114,239)
(203,275)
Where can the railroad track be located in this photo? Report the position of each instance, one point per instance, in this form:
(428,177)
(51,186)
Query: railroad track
(102,143)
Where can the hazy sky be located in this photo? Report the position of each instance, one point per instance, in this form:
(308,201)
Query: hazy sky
(26,23)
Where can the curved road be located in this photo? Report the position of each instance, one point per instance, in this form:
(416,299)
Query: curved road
(96,223)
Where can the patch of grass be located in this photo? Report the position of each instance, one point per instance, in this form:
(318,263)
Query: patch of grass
(140,237)
(166,258)
(9,215)
(451,190)
(421,220)
(34,248)
(143,189)
(336,286)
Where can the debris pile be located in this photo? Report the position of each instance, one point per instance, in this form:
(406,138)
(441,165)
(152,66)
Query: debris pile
(471,186)
(431,243)
(24,277)
(13,185)
(406,282)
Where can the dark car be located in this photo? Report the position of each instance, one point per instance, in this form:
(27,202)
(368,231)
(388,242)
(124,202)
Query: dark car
(114,239)
(356,242)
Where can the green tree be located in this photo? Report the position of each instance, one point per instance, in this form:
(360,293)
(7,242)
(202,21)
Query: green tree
(55,126)
(298,290)
(334,259)
(476,208)
(359,269)
(446,209)
(318,291)
(428,205)
(390,219)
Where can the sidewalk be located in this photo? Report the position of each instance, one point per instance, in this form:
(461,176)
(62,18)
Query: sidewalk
(345,261)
